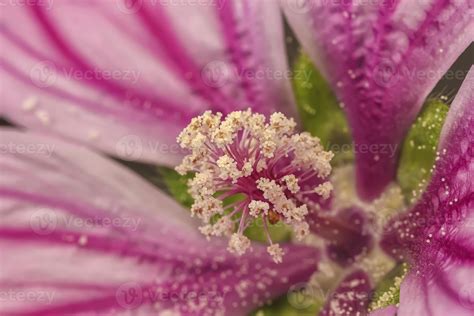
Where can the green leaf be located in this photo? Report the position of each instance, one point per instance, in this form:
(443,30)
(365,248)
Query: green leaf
(177,185)
(292,304)
(419,149)
(387,291)
(320,112)
(278,232)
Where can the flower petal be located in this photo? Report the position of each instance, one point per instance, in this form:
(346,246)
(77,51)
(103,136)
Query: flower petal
(81,234)
(351,296)
(437,235)
(382,58)
(433,297)
(345,233)
(387,311)
(127,76)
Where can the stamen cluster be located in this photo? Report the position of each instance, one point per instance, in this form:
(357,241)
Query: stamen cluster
(276,173)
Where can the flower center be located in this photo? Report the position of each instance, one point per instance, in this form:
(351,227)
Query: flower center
(279,175)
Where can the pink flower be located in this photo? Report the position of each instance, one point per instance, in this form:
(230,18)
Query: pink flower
(125,77)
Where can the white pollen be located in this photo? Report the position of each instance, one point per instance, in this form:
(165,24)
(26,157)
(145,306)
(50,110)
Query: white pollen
(82,240)
(43,116)
(29,103)
(276,252)
(93,134)
(261,161)
(238,244)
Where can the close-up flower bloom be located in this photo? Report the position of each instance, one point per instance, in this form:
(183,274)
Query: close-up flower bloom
(236,157)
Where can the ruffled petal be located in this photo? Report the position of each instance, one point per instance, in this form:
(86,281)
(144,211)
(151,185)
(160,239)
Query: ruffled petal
(351,296)
(80,234)
(437,235)
(382,58)
(126,76)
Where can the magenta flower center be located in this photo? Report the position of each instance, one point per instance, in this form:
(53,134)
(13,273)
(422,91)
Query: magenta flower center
(247,168)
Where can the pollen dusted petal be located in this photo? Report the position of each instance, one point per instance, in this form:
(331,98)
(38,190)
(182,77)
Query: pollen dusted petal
(273,168)
(376,55)
(387,311)
(436,235)
(83,232)
(351,297)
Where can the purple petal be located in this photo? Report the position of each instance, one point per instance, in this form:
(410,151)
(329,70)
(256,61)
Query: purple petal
(437,235)
(351,296)
(126,77)
(382,58)
(424,296)
(81,234)
(345,233)
(387,311)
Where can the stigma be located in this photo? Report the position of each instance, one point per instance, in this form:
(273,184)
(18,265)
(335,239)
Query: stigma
(247,167)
